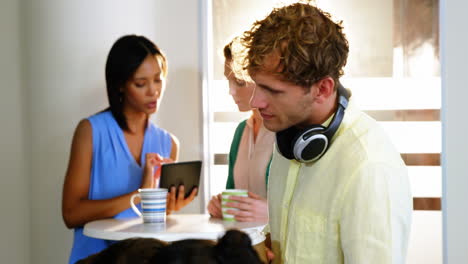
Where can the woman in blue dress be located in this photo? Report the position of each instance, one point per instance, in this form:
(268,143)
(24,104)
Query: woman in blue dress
(117,151)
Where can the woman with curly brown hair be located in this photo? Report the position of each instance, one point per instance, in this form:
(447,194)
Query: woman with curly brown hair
(338,189)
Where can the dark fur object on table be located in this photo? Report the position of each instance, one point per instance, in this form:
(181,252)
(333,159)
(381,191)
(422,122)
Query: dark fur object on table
(234,247)
(132,250)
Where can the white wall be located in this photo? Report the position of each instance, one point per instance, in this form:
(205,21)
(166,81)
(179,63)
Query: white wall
(454,43)
(14,185)
(68,42)
(179,35)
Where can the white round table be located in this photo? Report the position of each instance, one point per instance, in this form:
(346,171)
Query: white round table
(177,227)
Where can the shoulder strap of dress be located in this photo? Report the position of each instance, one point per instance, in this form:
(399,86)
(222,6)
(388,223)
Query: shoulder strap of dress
(233,153)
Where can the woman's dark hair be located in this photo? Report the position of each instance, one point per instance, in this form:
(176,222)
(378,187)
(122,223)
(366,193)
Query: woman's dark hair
(128,251)
(236,247)
(124,58)
(233,248)
(187,251)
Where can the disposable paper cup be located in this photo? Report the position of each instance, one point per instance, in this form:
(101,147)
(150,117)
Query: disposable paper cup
(225,199)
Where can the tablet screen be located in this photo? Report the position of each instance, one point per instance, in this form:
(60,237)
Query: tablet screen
(181,173)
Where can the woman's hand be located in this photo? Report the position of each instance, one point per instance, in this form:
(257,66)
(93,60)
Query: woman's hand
(150,175)
(214,206)
(176,200)
(253,208)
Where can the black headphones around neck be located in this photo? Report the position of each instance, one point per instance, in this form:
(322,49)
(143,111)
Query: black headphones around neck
(309,144)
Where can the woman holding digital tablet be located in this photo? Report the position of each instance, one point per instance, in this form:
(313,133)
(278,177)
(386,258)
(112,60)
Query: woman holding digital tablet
(251,148)
(114,152)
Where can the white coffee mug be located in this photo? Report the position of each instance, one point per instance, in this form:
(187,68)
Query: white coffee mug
(153,205)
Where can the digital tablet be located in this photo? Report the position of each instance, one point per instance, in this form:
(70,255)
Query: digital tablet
(181,173)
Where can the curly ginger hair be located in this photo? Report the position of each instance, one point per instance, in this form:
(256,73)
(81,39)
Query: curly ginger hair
(309,44)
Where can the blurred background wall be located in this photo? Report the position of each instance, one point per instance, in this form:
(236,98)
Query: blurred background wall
(15,182)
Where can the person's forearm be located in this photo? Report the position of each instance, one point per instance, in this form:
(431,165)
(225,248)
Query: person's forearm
(85,211)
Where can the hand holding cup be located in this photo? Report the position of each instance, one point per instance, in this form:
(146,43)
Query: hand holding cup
(247,208)
(214,206)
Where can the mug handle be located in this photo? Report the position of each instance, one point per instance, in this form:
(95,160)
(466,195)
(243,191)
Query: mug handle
(135,209)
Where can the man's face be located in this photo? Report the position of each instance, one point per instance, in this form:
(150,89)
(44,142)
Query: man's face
(282,104)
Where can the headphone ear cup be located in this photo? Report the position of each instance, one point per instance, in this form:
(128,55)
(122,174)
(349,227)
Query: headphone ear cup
(285,140)
(310,144)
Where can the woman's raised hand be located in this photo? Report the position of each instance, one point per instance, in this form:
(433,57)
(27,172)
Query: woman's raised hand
(150,174)
(175,198)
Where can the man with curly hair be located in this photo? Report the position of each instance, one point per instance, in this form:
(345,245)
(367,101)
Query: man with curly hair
(338,189)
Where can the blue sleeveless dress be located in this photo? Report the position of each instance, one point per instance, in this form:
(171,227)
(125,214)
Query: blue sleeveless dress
(115,172)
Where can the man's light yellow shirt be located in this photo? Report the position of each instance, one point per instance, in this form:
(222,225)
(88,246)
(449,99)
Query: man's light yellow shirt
(352,206)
